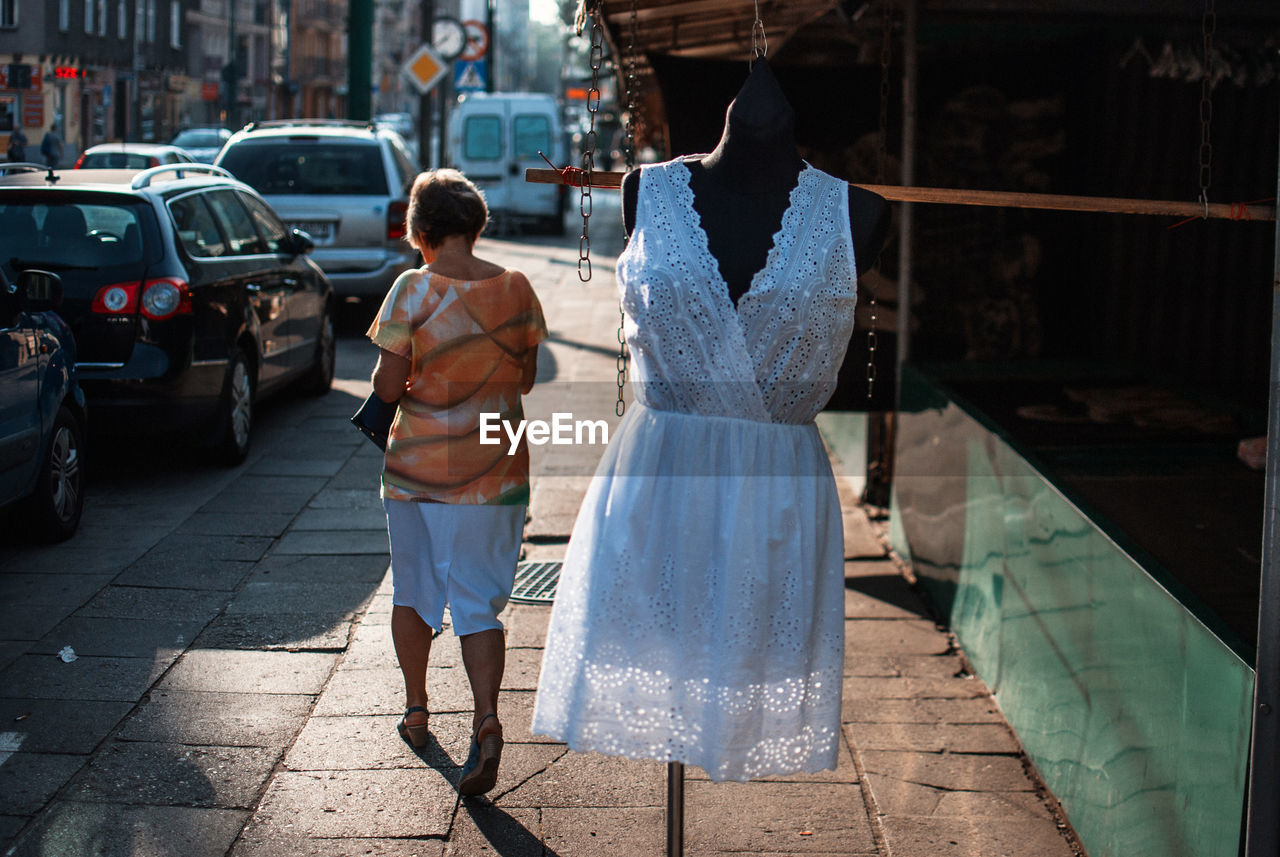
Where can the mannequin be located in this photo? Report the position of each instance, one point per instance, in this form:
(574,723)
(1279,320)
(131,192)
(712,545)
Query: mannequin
(742,188)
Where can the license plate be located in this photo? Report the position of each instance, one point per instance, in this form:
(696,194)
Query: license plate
(319,230)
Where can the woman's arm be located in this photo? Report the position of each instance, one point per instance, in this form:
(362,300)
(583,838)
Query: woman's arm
(391,375)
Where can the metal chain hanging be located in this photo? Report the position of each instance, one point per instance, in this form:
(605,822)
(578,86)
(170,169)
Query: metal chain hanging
(589,144)
(759,39)
(629,152)
(882,157)
(1208,23)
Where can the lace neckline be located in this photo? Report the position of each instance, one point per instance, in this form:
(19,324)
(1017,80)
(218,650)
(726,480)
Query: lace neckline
(781,242)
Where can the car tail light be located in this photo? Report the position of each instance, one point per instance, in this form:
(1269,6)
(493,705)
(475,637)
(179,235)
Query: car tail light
(396,212)
(153,162)
(164,298)
(161,298)
(79,162)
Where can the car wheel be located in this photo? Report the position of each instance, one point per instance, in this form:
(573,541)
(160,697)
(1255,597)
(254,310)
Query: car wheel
(319,377)
(235,415)
(53,511)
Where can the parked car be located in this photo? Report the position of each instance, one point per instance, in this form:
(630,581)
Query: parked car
(343,183)
(131,156)
(188,297)
(202,144)
(42,409)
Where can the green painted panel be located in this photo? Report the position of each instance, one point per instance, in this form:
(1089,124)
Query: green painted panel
(1135,713)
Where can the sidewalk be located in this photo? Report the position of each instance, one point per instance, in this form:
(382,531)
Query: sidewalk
(273,731)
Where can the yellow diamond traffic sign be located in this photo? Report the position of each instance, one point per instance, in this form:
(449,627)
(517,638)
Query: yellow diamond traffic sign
(424,68)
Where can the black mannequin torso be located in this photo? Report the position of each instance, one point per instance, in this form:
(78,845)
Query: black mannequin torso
(742,189)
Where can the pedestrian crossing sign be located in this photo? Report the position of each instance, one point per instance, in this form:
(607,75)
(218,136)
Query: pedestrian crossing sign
(470,76)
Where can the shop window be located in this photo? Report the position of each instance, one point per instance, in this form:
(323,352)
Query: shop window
(88,16)
(8,13)
(64,15)
(175,24)
(122,20)
(102,17)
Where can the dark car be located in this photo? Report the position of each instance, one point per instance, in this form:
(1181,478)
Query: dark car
(42,410)
(188,297)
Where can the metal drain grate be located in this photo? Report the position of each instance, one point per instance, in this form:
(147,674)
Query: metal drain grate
(536,582)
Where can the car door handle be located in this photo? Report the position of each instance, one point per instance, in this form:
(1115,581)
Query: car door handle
(253,288)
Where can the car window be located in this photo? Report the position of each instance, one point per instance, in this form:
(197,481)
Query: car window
(70,235)
(532,135)
(311,167)
(197,230)
(115,161)
(406,171)
(200,138)
(482,138)
(233,217)
(273,231)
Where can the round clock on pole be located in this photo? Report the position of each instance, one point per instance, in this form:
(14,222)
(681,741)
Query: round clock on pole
(448,38)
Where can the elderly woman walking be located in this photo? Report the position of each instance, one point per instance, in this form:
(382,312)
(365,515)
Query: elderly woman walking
(458,338)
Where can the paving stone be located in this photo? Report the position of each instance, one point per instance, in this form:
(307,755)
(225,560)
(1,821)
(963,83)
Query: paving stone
(954,771)
(116,830)
(32,604)
(341,519)
(295,568)
(860,540)
(349,499)
(900,798)
(11,650)
(180,550)
(326,632)
(272,839)
(175,775)
(120,637)
(9,827)
(868,688)
(978,837)
(362,804)
(371,647)
(934,738)
(527,626)
(360,471)
(280,466)
(250,672)
(593,780)
(515,707)
(882,597)
(615,831)
(29,780)
(482,828)
(266,595)
(135,602)
(219,719)
(85,679)
(72,558)
(522,668)
(381,691)
(25,624)
(334,542)
(981,709)
(894,637)
(215,574)
(285,495)
(253,523)
(793,817)
(60,726)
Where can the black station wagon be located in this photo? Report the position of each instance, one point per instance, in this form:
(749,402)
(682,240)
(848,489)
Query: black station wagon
(188,297)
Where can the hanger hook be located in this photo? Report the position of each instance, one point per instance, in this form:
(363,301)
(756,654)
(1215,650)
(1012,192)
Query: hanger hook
(759,40)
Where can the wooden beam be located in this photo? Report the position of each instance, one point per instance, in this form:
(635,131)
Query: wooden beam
(1004,199)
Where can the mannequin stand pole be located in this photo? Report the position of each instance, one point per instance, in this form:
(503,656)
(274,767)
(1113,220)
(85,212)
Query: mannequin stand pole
(675,809)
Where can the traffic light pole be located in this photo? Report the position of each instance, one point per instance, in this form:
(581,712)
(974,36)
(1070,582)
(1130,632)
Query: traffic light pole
(424,100)
(360,60)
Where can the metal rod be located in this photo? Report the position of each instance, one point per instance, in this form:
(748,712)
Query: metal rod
(675,809)
(1005,199)
(910,76)
(1262,831)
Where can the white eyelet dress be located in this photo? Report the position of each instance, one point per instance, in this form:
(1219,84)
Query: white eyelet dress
(700,611)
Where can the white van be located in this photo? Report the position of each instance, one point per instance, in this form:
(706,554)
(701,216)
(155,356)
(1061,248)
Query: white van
(494,137)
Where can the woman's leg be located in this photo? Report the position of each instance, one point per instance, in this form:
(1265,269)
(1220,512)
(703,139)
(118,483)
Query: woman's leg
(412,638)
(484,654)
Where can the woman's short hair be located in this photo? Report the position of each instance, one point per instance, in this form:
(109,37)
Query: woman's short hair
(443,203)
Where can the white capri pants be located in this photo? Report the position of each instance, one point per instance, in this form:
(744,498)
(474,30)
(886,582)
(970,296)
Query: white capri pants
(461,555)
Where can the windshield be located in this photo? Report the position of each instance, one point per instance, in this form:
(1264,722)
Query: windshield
(319,168)
(117,161)
(200,138)
(69,235)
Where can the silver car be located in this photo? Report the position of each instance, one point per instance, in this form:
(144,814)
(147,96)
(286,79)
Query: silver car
(344,183)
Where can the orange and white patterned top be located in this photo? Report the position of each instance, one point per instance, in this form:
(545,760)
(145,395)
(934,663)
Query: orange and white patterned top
(467,342)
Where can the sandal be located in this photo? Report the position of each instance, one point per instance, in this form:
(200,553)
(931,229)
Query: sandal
(480,773)
(416,734)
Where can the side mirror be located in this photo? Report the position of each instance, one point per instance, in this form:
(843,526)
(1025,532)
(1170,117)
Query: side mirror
(39,291)
(300,242)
